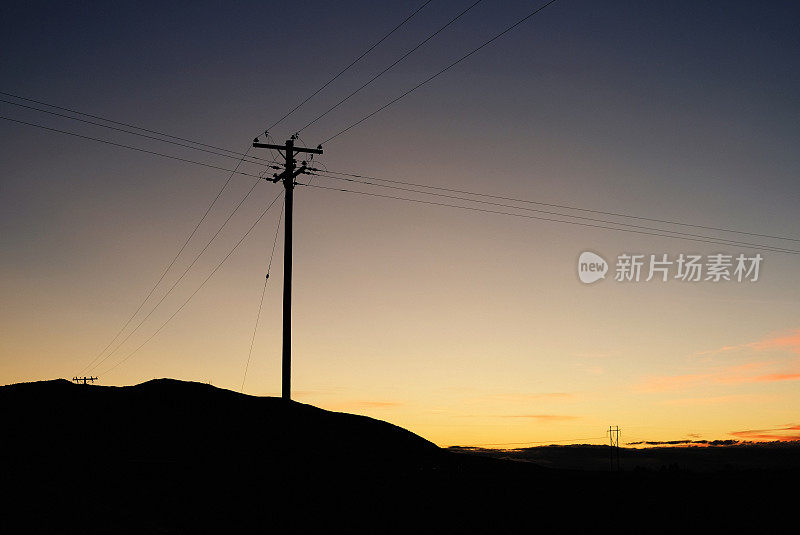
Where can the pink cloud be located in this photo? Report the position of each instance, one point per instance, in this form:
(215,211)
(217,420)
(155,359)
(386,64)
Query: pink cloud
(790,341)
(712,400)
(742,374)
(754,372)
(784,434)
(776,377)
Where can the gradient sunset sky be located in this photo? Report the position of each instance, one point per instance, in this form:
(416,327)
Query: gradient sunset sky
(465,327)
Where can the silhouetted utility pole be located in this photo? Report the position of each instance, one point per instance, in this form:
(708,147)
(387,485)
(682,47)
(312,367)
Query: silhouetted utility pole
(84,380)
(287,176)
(613,434)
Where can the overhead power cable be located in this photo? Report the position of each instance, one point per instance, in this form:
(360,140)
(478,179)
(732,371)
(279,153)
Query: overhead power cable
(248,159)
(261,303)
(384,71)
(236,171)
(123,146)
(129,125)
(563,206)
(242,158)
(178,280)
(164,273)
(525,216)
(462,58)
(559,214)
(129,355)
(370,49)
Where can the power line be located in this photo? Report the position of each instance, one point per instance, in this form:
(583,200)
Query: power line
(123,146)
(370,49)
(243,157)
(384,71)
(94,362)
(728,242)
(94,123)
(261,303)
(129,355)
(499,212)
(169,291)
(180,278)
(164,273)
(101,118)
(462,58)
(235,171)
(566,207)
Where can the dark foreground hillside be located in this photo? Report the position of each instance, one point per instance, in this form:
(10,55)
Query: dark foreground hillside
(176,457)
(708,457)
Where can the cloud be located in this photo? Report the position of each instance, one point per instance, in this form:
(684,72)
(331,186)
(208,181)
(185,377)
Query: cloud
(682,442)
(789,341)
(369,403)
(305,393)
(351,405)
(530,397)
(713,400)
(593,370)
(783,434)
(776,377)
(660,442)
(528,400)
(745,373)
(595,354)
(377,403)
(544,417)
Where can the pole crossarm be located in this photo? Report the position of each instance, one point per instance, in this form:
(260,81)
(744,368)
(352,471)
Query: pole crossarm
(258,145)
(84,380)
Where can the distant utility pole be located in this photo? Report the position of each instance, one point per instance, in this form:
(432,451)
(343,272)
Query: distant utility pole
(613,434)
(84,379)
(287,176)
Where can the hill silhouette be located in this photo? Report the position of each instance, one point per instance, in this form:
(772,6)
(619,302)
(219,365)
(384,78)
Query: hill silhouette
(166,420)
(170,456)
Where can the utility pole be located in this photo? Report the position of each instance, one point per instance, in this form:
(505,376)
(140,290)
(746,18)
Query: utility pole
(287,176)
(84,379)
(613,434)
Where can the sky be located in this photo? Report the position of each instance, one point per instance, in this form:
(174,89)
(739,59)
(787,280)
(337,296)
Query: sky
(467,327)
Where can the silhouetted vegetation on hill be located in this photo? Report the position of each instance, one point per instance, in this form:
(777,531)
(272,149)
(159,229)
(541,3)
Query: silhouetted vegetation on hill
(711,456)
